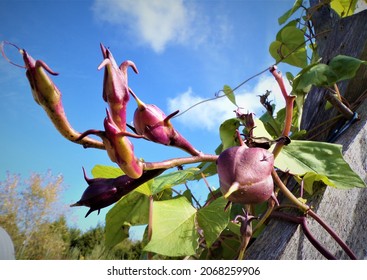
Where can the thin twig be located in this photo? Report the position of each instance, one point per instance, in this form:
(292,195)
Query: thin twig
(192,196)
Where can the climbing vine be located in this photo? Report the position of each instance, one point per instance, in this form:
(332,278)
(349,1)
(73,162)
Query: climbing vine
(255,158)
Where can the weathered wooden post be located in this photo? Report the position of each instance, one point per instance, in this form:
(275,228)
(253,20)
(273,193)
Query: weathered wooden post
(344,211)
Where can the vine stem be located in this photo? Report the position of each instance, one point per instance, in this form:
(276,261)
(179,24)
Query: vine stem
(333,234)
(303,222)
(170,163)
(283,188)
(289,101)
(150,224)
(307,210)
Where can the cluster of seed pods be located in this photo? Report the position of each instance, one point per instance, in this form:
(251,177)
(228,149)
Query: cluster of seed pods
(150,123)
(244,172)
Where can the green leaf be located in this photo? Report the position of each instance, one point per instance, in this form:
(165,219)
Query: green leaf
(212,219)
(208,168)
(225,249)
(344,8)
(230,94)
(131,209)
(289,47)
(227,133)
(103,171)
(173,179)
(310,177)
(296,89)
(174,231)
(260,130)
(290,77)
(290,12)
(328,105)
(146,188)
(326,159)
(272,126)
(235,228)
(188,194)
(345,67)
(319,75)
(340,68)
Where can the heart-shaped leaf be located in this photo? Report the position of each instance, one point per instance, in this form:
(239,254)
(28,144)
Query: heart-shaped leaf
(174,230)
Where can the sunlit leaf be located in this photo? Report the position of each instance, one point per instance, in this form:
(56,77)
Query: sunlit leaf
(290,12)
(146,188)
(131,209)
(174,178)
(230,94)
(103,171)
(289,47)
(235,228)
(319,75)
(344,8)
(326,159)
(311,177)
(174,230)
(271,126)
(212,219)
(227,133)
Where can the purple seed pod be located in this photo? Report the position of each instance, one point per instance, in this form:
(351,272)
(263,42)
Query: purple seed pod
(119,148)
(103,192)
(245,174)
(151,122)
(115,86)
(48,96)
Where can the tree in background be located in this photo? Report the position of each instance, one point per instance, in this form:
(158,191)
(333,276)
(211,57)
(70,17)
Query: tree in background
(31,213)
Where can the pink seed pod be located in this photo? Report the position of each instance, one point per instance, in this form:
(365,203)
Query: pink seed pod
(115,86)
(152,123)
(245,174)
(118,146)
(48,96)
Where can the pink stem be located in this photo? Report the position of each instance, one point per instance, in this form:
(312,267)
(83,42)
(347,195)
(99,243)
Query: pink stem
(289,101)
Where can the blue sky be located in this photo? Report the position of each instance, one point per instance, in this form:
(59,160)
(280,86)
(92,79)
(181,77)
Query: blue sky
(185,52)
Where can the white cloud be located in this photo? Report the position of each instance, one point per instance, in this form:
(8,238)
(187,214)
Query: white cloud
(160,22)
(209,115)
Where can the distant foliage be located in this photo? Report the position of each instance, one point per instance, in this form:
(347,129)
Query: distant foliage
(31,212)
